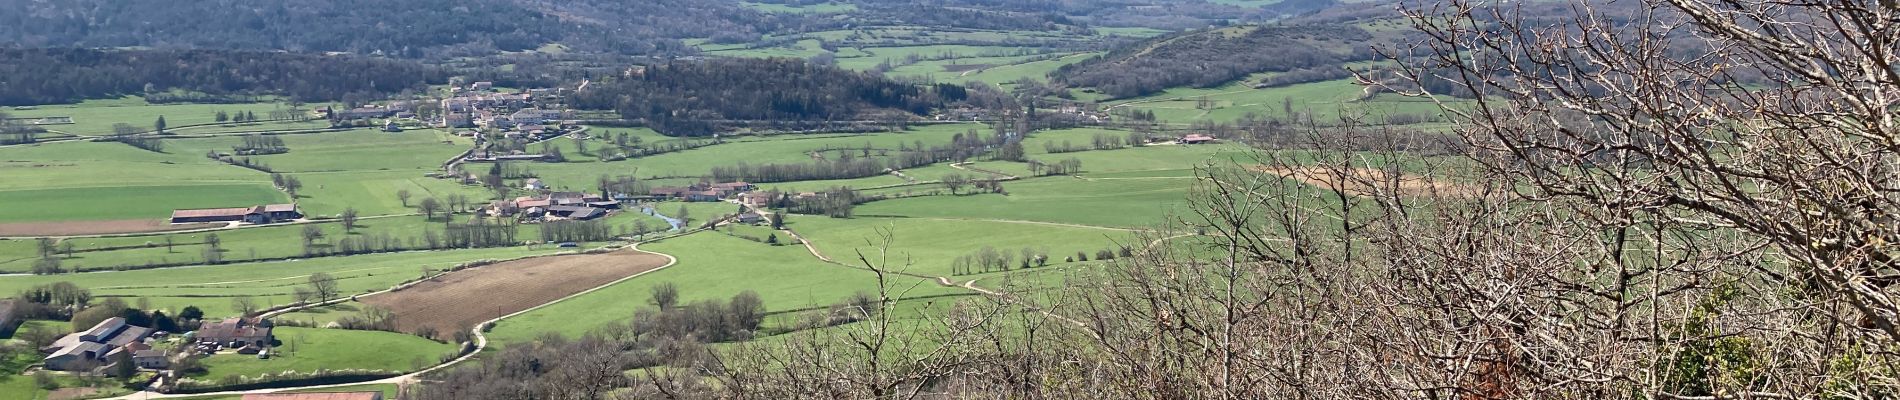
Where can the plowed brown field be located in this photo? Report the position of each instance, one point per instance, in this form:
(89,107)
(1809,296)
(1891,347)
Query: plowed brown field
(458,300)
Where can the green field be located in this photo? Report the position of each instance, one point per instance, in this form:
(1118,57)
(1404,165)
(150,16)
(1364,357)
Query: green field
(311,349)
(930,244)
(711,266)
(96,117)
(110,203)
(1325,100)
(213,288)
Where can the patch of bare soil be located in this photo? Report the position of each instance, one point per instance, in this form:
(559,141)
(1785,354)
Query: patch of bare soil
(76,228)
(458,300)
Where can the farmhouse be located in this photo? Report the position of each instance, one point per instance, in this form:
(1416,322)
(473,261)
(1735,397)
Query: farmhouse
(458,120)
(315,396)
(750,218)
(533,184)
(236,332)
(1196,139)
(263,214)
(95,347)
(151,359)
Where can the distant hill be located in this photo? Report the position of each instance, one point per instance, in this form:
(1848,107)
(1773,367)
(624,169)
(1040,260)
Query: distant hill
(407,28)
(1213,57)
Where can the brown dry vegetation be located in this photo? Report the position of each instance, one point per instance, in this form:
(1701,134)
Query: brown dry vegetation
(74,228)
(458,300)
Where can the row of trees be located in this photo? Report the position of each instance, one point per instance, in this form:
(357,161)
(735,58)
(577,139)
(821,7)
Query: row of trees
(692,98)
(1214,57)
(48,76)
(260,145)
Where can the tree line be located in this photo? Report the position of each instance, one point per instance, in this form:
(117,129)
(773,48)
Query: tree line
(56,75)
(693,98)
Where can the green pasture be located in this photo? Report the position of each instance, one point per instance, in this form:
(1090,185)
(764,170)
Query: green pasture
(355,150)
(246,244)
(212,288)
(711,266)
(1006,74)
(1325,100)
(311,349)
(1059,199)
(128,202)
(96,117)
(928,245)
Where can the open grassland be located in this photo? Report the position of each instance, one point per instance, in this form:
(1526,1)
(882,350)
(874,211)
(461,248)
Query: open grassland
(1324,100)
(1151,158)
(711,266)
(459,300)
(374,192)
(96,117)
(1006,74)
(311,349)
(128,202)
(249,243)
(930,245)
(1113,203)
(112,181)
(71,228)
(213,288)
(354,150)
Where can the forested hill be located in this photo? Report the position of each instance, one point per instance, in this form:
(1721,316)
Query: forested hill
(688,98)
(43,76)
(407,28)
(1214,57)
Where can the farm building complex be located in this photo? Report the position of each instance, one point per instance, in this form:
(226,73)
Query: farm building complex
(263,214)
(96,347)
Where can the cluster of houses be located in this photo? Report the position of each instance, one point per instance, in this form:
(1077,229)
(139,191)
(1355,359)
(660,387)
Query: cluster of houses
(480,106)
(262,214)
(106,343)
(554,206)
(702,191)
(395,109)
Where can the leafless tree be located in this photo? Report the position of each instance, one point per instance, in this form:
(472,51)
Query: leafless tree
(323,285)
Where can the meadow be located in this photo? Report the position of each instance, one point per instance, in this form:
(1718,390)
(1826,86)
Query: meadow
(928,246)
(710,266)
(1325,100)
(97,117)
(106,181)
(213,287)
(311,349)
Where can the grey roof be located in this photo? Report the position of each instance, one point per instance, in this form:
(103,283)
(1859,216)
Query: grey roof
(131,334)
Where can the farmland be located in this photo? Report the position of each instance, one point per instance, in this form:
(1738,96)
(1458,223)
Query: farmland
(312,349)
(1044,228)
(459,300)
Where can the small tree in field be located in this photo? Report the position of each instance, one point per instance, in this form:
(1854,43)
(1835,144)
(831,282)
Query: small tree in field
(349,220)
